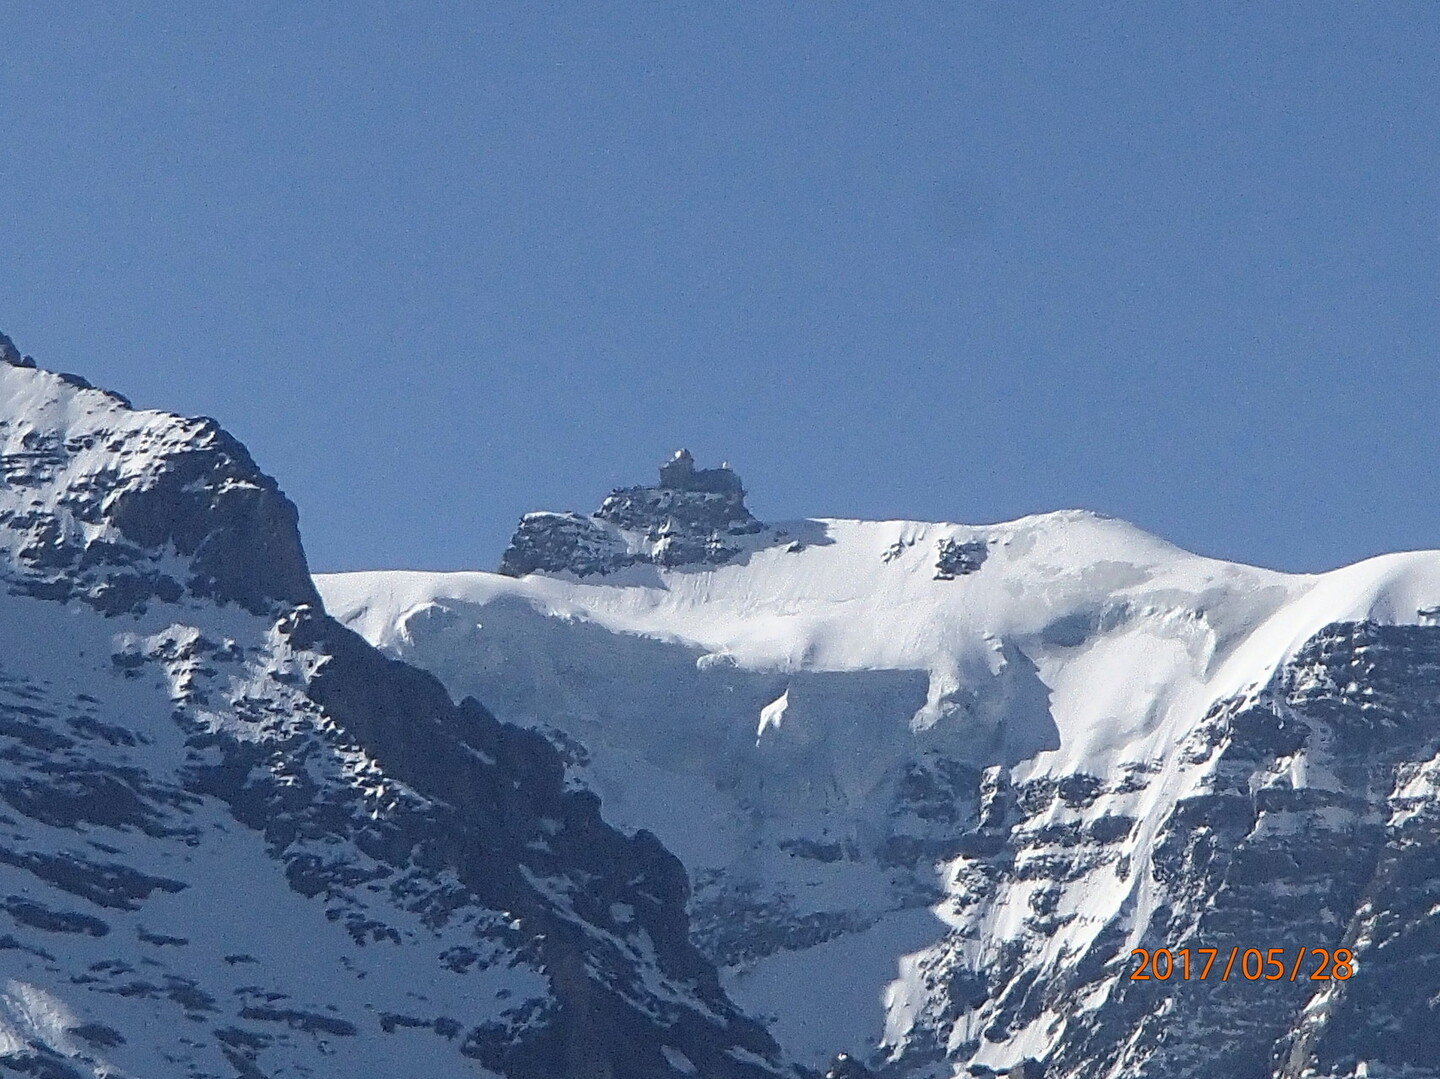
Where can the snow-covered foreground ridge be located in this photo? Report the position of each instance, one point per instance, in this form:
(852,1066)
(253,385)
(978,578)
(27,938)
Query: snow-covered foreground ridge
(235,840)
(933,781)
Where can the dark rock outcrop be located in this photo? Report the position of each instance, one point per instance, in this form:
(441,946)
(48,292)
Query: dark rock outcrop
(494,791)
(11,355)
(691,517)
(119,507)
(957,558)
(1252,860)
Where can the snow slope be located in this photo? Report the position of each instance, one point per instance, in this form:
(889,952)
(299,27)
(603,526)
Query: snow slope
(825,729)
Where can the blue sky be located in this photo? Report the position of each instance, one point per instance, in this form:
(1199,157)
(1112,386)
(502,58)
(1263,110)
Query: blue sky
(439,264)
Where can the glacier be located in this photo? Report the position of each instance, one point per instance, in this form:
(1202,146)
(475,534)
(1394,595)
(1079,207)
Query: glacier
(932,782)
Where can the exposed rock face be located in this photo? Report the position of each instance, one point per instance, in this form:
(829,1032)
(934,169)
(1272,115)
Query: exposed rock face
(236,840)
(564,543)
(120,508)
(1253,859)
(957,559)
(11,355)
(691,517)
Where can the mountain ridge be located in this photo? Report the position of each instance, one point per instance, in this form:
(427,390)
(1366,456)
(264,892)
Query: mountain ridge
(876,765)
(185,732)
(932,783)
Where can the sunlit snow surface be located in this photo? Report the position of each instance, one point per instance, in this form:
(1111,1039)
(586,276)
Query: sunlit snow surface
(773,719)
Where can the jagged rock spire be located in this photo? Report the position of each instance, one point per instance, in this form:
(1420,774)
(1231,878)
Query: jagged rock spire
(11,355)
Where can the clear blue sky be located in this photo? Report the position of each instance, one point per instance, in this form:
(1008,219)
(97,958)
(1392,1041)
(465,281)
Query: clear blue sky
(439,264)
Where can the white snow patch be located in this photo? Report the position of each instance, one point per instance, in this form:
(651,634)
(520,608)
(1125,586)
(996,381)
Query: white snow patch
(773,714)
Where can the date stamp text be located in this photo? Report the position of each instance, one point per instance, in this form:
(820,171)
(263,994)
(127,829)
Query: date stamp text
(1251,964)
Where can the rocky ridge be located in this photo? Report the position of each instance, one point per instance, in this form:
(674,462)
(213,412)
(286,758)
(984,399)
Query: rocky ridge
(691,517)
(1310,824)
(236,840)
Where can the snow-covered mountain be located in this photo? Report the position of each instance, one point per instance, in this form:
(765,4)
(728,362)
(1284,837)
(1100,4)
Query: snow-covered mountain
(236,840)
(934,782)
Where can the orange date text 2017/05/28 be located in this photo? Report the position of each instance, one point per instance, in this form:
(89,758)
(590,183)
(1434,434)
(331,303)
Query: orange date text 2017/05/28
(1251,964)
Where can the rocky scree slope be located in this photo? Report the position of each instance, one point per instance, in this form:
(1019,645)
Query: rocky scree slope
(933,782)
(235,840)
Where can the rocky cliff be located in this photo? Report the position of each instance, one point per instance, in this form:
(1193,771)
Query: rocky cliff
(692,517)
(237,840)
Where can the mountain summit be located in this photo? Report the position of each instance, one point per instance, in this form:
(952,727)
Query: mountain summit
(691,517)
(236,840)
